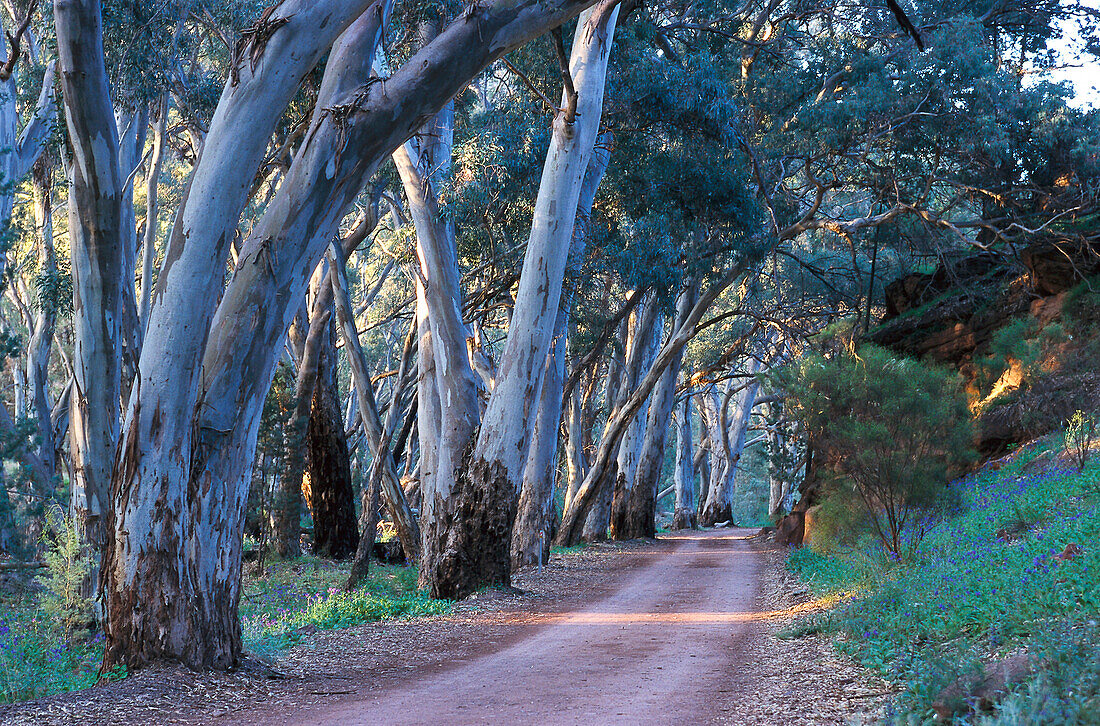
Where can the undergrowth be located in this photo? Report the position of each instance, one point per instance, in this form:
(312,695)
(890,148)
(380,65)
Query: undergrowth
(297,597)
(41,654)
(986,581)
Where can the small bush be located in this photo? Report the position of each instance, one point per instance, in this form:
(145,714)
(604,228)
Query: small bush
(890,431)
(68,565)
(1080,434)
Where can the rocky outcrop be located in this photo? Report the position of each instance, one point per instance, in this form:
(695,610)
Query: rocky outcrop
(949,316)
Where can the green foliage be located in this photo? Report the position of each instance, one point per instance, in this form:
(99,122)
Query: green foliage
(296,597)
(1080,434)
(36,661)
(1021,345)
(889,431)
(68,564)
(973,592)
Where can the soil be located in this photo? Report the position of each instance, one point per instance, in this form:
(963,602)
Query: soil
(678,630)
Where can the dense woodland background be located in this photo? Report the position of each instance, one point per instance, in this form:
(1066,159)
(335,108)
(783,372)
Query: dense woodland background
(436,282)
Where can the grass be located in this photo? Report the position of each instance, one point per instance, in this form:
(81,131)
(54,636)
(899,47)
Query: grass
(986,580)
(298,596)
(277,611)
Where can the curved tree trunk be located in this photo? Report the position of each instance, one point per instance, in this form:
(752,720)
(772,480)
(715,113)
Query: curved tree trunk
(646,326)
(638,508)
(573,516)
(183,469)
(98,260)
(531,533)
(468,538)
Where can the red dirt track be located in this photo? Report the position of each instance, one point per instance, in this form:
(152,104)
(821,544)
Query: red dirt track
(664,647)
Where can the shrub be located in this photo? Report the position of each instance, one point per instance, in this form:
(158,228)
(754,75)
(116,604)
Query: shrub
(1080,433)
(890,430)
(67,566)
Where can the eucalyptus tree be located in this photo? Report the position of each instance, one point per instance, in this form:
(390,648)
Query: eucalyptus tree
(171,571)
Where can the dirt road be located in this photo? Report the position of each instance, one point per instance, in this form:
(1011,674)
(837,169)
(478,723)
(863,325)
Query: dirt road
(663,647)
(681,631)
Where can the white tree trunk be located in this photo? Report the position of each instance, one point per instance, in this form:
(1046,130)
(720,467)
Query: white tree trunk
(531,532)
(184,465)
(718,507)
(95,241)
(683,516)
(637,513)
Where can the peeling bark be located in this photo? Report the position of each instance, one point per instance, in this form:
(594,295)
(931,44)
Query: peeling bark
(98,260)
(637,510)
(331,494)
(532,530)
(172,574)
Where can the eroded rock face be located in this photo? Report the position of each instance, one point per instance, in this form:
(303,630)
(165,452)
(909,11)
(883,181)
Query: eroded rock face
(950,315)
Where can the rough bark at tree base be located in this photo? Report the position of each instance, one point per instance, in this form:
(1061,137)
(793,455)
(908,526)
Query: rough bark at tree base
(201,631)
(467,543)
(633,513)
(715,514)
(684,519)
(331,494)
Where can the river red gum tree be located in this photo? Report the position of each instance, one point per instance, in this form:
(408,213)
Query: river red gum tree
(171,575)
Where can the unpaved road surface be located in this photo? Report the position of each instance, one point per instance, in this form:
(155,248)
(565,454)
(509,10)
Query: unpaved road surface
(678,631)
(662,648)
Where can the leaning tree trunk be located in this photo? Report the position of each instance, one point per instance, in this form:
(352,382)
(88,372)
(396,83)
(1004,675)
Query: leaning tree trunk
(42,332)
(573,517)
(598,519)
(331,493)
(683,516)
(467,542)
(638,509)
(183,470)
(646,328)
(531,533)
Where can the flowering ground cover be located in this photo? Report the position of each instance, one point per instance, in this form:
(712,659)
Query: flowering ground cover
(291,600)
(1013,570)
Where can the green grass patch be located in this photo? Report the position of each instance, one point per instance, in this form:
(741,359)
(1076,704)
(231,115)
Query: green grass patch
(297,596)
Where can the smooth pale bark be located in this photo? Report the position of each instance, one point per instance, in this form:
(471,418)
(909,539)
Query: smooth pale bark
(531,533)
(683,516)
(190,432)
(42,330)
(637,511)
(455,383)
(576,461)
(573,517)
(718,507)
(646,332)
(132,125)
(286,525)
(598,520)
(98,261)
(152,185)
(470,541)
(19,151)
(191,429)
(776,450)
